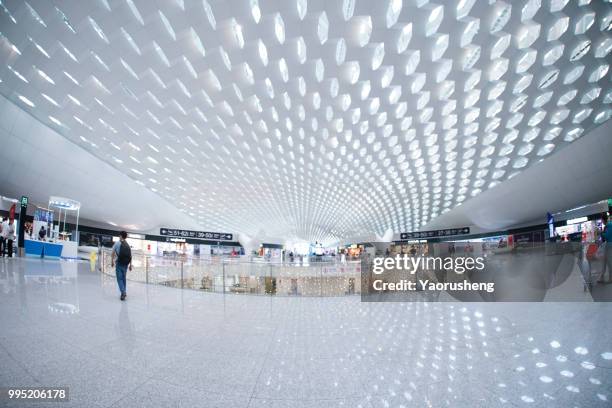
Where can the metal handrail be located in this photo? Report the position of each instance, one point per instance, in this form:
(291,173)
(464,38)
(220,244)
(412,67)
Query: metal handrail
(239,275)
(241,259)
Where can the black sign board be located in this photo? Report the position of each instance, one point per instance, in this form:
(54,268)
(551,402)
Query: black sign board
(179,233)
(22,220)
(527,239)
(450,232)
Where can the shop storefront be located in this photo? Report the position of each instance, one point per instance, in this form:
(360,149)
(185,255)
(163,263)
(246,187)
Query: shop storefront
(270,253)
(171,247)
(580,229)
(414,248)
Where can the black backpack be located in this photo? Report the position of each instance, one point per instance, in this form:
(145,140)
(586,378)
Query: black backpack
(125,254)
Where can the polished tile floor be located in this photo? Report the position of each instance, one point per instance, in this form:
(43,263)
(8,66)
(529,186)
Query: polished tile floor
(63,325)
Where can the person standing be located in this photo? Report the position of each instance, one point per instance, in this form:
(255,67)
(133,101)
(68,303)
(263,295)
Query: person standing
(123,253)
(42,233)
(8,233)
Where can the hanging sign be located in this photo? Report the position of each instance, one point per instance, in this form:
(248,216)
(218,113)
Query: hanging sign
(179,233)
(435,234)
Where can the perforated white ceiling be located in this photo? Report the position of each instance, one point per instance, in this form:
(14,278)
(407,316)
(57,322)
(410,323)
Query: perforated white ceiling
(318,119)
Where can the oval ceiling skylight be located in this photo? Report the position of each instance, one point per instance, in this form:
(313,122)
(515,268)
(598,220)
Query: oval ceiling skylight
(255,10)
(379,54)
(364,30)
(263,52)
(301,8)
(434,20)
(279,28)
(319,70)
(394,8)
(209,14)
(405,35)
(348,8)
(323,28)
(340,51)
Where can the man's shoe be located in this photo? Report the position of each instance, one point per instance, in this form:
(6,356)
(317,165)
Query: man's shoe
(122,296)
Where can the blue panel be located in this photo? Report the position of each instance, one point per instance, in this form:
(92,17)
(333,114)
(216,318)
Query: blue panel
(53,250)
(33,248)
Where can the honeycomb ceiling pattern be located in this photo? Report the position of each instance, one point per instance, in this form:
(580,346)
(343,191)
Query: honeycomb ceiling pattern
(314,120)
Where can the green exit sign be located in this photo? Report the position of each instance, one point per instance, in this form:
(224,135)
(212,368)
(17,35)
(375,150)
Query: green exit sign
(24,201)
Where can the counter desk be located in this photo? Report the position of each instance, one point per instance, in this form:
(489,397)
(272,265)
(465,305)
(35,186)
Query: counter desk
(53,250)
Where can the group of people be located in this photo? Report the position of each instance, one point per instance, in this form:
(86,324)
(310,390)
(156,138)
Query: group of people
(7,237)
(295,257)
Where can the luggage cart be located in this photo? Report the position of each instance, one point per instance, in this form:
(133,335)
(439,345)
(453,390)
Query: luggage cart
(586,259)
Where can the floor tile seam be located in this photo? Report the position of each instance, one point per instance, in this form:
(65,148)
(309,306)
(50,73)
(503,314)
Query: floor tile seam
(512,403)
(138,306)
(416,391)
(57,336)
(309,399)
(20,364)
(494,395)
(162,368)
(88,350)
(221,396)
(428,390)
(427,384)
(128,393)
(267,354)
(468,373)
(90,353)
(109,361)
(198,389)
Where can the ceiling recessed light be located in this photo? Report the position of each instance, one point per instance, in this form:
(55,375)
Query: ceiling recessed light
(279,28)
(255,10)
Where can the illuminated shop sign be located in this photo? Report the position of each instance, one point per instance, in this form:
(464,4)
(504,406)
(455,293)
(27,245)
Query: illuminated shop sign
(435,234)
(217,236)
(578,220)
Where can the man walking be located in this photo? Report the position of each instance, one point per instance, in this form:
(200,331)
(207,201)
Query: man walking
(123,253)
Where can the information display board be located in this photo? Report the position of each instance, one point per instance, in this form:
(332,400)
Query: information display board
(41,214)
(435,234)
(179,233)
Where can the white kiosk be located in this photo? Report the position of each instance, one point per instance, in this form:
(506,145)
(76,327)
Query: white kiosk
(57,242)
(58,232)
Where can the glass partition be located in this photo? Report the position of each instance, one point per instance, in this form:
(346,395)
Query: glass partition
(239,276)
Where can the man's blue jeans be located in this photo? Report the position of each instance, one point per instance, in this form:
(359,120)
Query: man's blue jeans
(121,271)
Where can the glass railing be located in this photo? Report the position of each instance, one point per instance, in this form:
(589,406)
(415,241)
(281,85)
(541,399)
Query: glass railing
(243,276)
